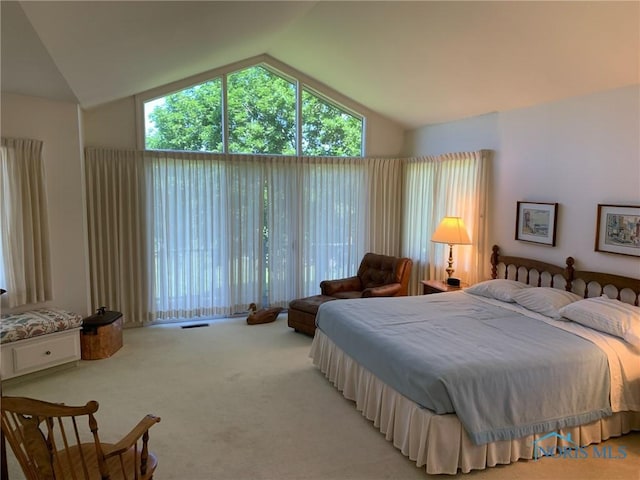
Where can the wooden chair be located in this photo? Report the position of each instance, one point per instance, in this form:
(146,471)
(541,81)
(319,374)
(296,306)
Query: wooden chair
(48,442)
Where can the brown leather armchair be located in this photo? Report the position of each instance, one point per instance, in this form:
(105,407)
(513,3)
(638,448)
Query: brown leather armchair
(378,276)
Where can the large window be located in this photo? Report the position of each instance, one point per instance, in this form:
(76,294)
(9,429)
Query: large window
(262,116)
(328,130)
(188,120)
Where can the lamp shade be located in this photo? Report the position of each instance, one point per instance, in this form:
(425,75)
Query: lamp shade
(452,231)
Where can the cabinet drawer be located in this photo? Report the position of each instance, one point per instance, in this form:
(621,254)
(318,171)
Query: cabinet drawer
(45,352)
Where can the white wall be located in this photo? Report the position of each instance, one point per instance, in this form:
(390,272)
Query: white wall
(111,125)
(578,152)
(57,125)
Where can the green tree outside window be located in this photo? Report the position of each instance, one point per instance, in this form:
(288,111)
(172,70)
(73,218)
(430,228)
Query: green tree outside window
(188,120)
(261,109)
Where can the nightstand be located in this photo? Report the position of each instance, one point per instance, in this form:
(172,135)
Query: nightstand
(438,286)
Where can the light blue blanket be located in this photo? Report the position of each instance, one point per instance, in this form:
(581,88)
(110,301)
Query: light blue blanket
(504,374)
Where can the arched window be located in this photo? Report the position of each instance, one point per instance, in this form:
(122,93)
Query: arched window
(256,110)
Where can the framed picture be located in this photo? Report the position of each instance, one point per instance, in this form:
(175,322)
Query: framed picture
(536,222)
(618,229)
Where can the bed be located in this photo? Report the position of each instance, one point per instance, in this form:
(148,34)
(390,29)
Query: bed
(410,370)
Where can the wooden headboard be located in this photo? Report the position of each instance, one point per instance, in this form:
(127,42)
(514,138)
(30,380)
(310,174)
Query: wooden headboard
(532,270)
(594,284)
(585,283)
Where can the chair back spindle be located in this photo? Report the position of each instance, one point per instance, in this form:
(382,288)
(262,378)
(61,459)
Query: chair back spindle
(48,442)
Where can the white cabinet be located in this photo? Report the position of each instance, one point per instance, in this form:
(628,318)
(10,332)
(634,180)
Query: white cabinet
(37,353)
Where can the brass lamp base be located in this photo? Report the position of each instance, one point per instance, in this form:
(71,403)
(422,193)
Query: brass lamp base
(450,269)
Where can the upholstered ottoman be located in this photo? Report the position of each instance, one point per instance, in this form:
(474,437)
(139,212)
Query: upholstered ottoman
(302,313)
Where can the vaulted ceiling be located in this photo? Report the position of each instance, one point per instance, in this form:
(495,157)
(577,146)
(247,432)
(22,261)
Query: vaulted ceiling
(417,62)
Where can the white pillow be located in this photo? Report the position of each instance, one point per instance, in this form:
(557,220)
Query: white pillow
(610,316)
(545,300)
(500,289)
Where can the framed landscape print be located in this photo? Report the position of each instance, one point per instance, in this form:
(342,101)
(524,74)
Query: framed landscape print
(618,229)
(536,222)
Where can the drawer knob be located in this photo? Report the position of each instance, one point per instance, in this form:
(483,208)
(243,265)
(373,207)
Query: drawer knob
(48,352)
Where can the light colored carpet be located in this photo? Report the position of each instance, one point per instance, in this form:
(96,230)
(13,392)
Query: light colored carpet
(245,402)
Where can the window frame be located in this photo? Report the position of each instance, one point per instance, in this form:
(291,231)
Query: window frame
(300,80)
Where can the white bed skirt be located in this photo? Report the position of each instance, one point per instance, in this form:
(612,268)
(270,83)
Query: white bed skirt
(438,441)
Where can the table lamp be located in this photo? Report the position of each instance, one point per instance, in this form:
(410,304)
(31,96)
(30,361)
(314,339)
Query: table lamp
(452,232)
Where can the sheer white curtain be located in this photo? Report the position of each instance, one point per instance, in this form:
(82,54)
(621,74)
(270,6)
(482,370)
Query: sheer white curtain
(207,229)
(315,212)
(453,184)
(194,234)
(331,222)
(23,216)
(284,211)
(232,230)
